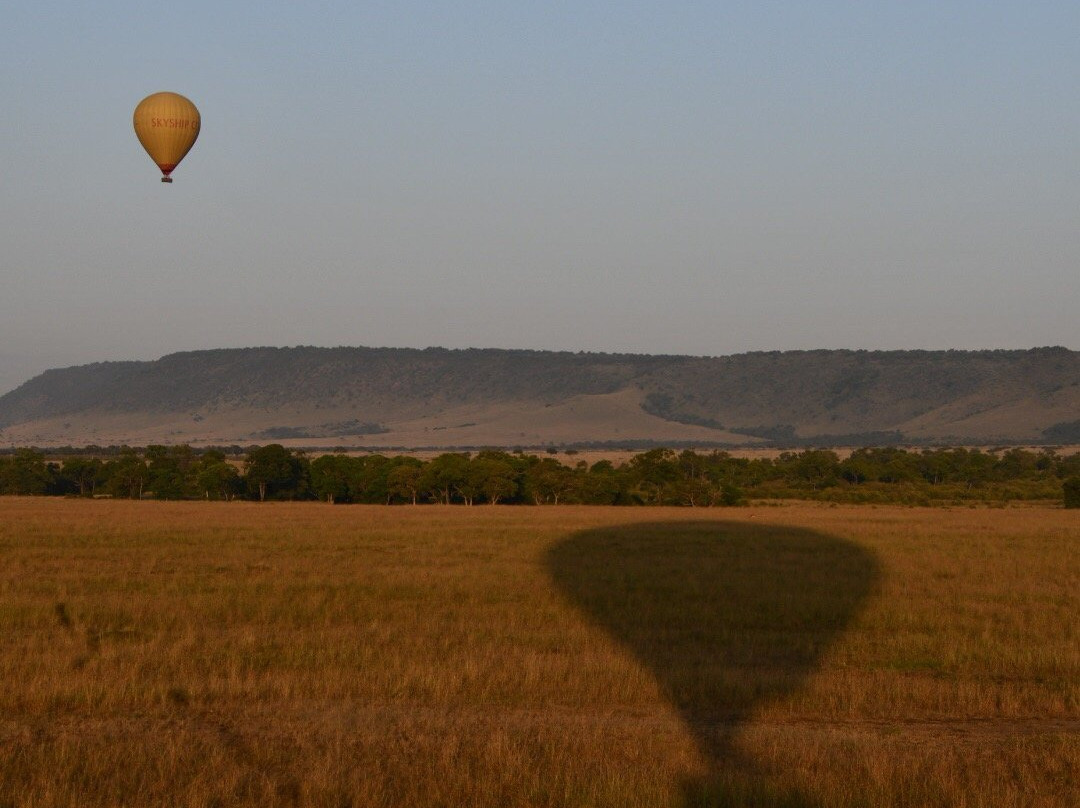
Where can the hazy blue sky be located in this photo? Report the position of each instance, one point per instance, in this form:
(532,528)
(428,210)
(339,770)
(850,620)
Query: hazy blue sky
(677,177)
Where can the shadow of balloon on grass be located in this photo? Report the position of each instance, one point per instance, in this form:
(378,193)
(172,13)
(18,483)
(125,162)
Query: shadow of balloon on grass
(729,616)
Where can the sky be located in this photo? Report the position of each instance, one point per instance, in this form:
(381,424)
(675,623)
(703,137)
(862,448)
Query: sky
(696,178)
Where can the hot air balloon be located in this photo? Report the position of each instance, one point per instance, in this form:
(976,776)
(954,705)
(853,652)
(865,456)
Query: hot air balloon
(167,125)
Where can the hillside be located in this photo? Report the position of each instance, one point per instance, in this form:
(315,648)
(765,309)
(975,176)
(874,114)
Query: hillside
(438,397)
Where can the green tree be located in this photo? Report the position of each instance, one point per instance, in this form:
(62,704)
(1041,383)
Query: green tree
(975,468)
(330,477)
(127,475)
(1072,492)
(935,466)
(817,467)
(730,495)
(403,479)
(172,471)
(602,484)
(1016,464)
(1066,466)
(694,486)
(26,473)
(654,472)
(493,478)
(548,480)
(275,472)
(218,479)
(368,481)
(443,476)
(85,473)
(859,467)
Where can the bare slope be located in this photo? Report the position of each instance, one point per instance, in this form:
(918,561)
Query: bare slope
(439,397)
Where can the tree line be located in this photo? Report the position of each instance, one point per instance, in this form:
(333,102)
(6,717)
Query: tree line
(654,477)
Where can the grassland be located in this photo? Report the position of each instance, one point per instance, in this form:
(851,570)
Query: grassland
(219,654)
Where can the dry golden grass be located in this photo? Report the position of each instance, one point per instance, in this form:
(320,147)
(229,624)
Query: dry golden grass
(219,654)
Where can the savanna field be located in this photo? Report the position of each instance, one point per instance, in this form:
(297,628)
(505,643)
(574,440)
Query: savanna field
(300,654)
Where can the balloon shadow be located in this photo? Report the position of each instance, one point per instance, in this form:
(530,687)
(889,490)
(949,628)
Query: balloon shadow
(729,616)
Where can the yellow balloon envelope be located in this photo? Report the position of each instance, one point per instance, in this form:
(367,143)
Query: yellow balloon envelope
(167,125)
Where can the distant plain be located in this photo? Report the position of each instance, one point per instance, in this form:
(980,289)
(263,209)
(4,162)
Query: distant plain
(203,654)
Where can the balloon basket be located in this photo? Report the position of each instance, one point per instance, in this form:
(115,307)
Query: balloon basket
(166,179)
